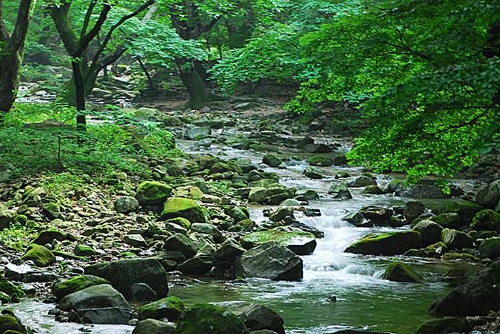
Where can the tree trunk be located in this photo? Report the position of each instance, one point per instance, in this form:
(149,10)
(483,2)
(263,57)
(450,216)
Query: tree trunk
(11,54)
(197,91)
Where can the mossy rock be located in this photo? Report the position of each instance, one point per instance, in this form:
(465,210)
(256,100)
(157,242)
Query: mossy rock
(487,220)
(391,243)
(170,307)
(444,325)
(84,250)
(291,239)
(206,319)
(271,160)
(152,192)
(181,221)
(192,192)
(75,284)
(490,248)
(185,208)
(11,324)
(451,256)
(320,160)
(12,291)
(53,210)
(48,236)
(39,254)
(399,272)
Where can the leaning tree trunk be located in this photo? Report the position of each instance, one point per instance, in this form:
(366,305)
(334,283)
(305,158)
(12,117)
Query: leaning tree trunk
(197,91)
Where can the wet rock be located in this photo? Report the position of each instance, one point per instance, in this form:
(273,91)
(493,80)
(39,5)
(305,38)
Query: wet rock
(339,191)
(229,250)
(271,260)
(320,160)
(256,317)
(11,324)
(153,326)
(489,195)
(298,241)
(488,220)
(413,209)
(170,307)
(306,195)
(197,132)
(182,243)
(340,160)
(10,291)
(448,220)
(52,210)
(100,304)
(391,243)
(48,236)
(142,292)
(399,272)
(490,248)
(362,181)
(272,160)
(6,217)
(476,296)
(126,204)
(376,216)
(135,240)
(444,325)
(198,265)
(208,229)
(429,230)
(152,192)
(84,250)
(123,273)
(372,190)
(282,214)
(206,318)
(455,239)
(75,284)
(312,173)
(236,213)
(435,250)
(184,207)
(39,254)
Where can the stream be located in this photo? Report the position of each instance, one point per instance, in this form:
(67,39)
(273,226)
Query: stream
(364,301)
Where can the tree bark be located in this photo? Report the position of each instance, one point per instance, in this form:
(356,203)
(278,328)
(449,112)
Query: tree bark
(11,54)
(197,91)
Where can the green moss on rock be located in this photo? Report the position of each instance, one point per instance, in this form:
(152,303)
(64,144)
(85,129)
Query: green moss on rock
(206,318)
(320,160)
(152,192)
(75,284)
(170,307)
(186,208)
(391,243)
(399,272)
(40,255)
(487,220)
(11,291)
(10,323)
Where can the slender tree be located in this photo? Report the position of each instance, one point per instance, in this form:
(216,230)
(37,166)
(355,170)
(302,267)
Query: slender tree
(11,53)
(85,66)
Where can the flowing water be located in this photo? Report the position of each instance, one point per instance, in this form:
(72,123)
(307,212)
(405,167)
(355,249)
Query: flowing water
(362,299)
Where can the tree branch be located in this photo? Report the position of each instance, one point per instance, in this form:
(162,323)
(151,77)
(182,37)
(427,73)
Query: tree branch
(86,21)
(24,13)
(85,41)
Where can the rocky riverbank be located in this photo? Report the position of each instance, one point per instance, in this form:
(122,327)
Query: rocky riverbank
(104,250)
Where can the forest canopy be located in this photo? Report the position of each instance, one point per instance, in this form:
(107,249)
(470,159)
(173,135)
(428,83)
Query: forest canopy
(425,75)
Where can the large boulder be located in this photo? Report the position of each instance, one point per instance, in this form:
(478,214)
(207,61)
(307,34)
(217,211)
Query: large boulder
(124,273)
(152,192)
(75,284)
(256,317)
(182,243)
(454,239)
(298,241)
(390,243)
(487,220)
(10,324)
(170,307)
(490,248)
(98,304)
(207,319)
(489,195)
(126,204)
(476,296)
(271,260)
(186,208)
(429,230)
(399,272)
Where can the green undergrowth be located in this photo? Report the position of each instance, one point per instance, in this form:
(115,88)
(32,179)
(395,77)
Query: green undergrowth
(43,137)
(17,236)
